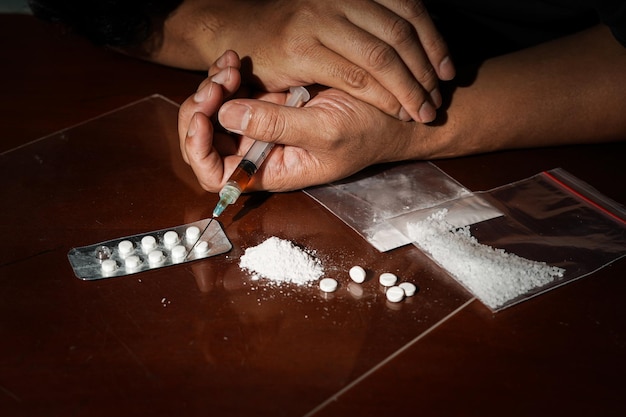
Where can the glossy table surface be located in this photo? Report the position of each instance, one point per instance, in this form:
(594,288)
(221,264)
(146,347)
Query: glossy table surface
(89,152)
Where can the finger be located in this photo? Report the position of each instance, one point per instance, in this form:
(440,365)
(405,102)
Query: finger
(204,160)
(435,47)
(380,41)
(273,122)
(226,72)
(334,70)
(206,100)
(374,66)
(397,57)
(228,59)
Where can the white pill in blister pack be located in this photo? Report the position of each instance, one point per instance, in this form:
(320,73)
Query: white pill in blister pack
(179,252)
(132,262)
(108,265)
(192,234)
(156,257)
(148,244)
(147,251)
(170,238)
(201,247)
(125,247)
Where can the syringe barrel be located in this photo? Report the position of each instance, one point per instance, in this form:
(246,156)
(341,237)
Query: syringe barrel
(259,150)
(257,153)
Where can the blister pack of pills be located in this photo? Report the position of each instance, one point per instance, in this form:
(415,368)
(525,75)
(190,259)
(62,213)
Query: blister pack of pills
(147,251)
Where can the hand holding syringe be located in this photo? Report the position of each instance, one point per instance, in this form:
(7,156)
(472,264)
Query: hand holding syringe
(250,164)
(253,159)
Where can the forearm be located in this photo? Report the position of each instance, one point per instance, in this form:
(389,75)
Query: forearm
(572,90)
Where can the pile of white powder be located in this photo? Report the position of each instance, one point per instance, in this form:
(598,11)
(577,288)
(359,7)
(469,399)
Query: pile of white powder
(280,260)
(492,275)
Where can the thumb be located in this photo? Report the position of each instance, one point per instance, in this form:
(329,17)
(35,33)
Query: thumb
(262,120)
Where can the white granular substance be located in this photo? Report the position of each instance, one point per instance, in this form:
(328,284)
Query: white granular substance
(280,260)
(492,275)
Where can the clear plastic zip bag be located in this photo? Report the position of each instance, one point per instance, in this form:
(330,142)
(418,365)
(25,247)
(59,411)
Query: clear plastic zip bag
(367,201)
(554,229)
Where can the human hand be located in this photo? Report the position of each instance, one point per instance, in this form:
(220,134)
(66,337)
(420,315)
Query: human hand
(199,140)
(332,137)
(387,53)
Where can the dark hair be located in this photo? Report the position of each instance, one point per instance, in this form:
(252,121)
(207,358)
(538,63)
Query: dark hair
(117,23)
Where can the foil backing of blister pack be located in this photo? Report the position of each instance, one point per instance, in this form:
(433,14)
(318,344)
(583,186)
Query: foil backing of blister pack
(108,259)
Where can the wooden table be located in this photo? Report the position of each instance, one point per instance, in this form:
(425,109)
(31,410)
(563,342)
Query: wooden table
(203,338)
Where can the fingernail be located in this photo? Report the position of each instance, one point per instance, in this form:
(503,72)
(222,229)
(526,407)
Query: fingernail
(235,117)
(221,77)
(193,125)
(404,115)
(435,97)
(427,112)
(446,69)
(221,61)
(203,93)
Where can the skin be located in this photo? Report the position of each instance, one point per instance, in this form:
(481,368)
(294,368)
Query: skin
(387,53)
(566,91)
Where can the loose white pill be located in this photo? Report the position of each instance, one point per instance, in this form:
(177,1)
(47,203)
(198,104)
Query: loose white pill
(387,279)
(179,252)
(357,274)
(328,284)
(192,233)
(395,294)
(125,247)
(109,265)
(409,288)
(202,247)
(155,257)
(170,238)
(148,243)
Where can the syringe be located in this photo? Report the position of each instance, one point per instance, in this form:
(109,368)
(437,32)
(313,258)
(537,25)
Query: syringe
(253,159)
(250,163)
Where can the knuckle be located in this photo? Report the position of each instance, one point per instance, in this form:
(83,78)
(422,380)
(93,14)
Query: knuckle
(416,96)
(435,45)
(208,186)
(413,9)
(400,31)
(269,127)
(381,56)
(355,77)
(428,77)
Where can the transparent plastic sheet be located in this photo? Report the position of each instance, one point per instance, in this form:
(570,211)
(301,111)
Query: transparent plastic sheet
(552,218)
(368,200)
(121,174)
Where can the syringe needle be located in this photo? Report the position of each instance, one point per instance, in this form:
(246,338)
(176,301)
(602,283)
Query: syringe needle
(191,249)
